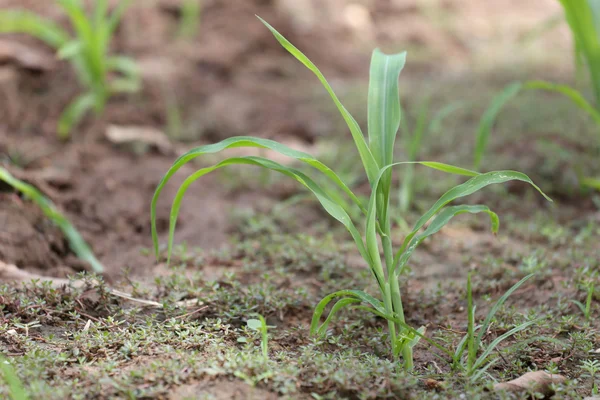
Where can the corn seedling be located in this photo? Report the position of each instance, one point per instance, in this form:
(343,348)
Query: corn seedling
(377,159)
(15,386)
(474,366)
(76,242)
(87,50)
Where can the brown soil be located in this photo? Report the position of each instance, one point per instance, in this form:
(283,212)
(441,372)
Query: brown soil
(233,79)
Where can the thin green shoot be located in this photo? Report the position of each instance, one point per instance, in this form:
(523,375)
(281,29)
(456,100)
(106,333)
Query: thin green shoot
(76,242)
(87,49)
(375,215)
(14,383)
(475,366)
(586,308)
(260,325)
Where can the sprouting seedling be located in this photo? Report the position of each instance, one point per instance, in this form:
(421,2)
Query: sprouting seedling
(592,367)
(76,242)
(260,325)
(474,366)
(87,50)
(376,156)
(191,11)
(586,308)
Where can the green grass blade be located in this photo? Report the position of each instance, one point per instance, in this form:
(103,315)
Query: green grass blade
(471,344)
(335,210)
(499,340)
(74,113)
(469,187)
(15,386)
(488,119)
(34,25)
(574,95)
(354,294)
(496,307)
(593,183)
(583,17)
(336,307)
(369,162)
(244,141)
(384,104)
(76,242)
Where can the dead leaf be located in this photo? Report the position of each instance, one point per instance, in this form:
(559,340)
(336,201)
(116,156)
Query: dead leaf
(12,273)
(25,56)
(139,138)
(538,381)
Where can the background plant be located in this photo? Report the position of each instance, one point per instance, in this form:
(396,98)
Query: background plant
(76,242)
(377,160)
(87,50)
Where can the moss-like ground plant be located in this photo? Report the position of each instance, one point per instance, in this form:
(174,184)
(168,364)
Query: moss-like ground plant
(377,158)
(87,50)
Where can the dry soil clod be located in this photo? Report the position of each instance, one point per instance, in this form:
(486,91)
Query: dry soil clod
(538,381)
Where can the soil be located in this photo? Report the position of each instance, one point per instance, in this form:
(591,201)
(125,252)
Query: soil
(233,79)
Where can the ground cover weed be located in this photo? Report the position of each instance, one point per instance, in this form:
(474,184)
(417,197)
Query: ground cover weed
(76,242)
(87,50)
(377,159)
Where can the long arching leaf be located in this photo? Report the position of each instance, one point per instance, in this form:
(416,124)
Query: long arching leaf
(440,220)
(244,141)
(469,187)
(335,210)
(34,25)
(355,294)
(370,164)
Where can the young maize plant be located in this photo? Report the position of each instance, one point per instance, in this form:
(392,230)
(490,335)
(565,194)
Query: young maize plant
(87,50)
(377,159)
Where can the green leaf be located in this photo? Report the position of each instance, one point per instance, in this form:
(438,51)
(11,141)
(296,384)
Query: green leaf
(124,65)
(488,119)
(499,340)
(255,324)
(496,307)
(440,220)
(469,187)
(353,294)
(369,162)
(74,113)
(76,242)
(384,104)
(583,17)
(593,183)
(69,50)
(244,141)
(333,209)
(15,386)
(574,95)
(34,25)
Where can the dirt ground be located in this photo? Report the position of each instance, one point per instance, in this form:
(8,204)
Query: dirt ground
(233,79)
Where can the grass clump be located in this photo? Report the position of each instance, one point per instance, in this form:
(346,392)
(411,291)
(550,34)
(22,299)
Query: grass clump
(87,50)
(377,159)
